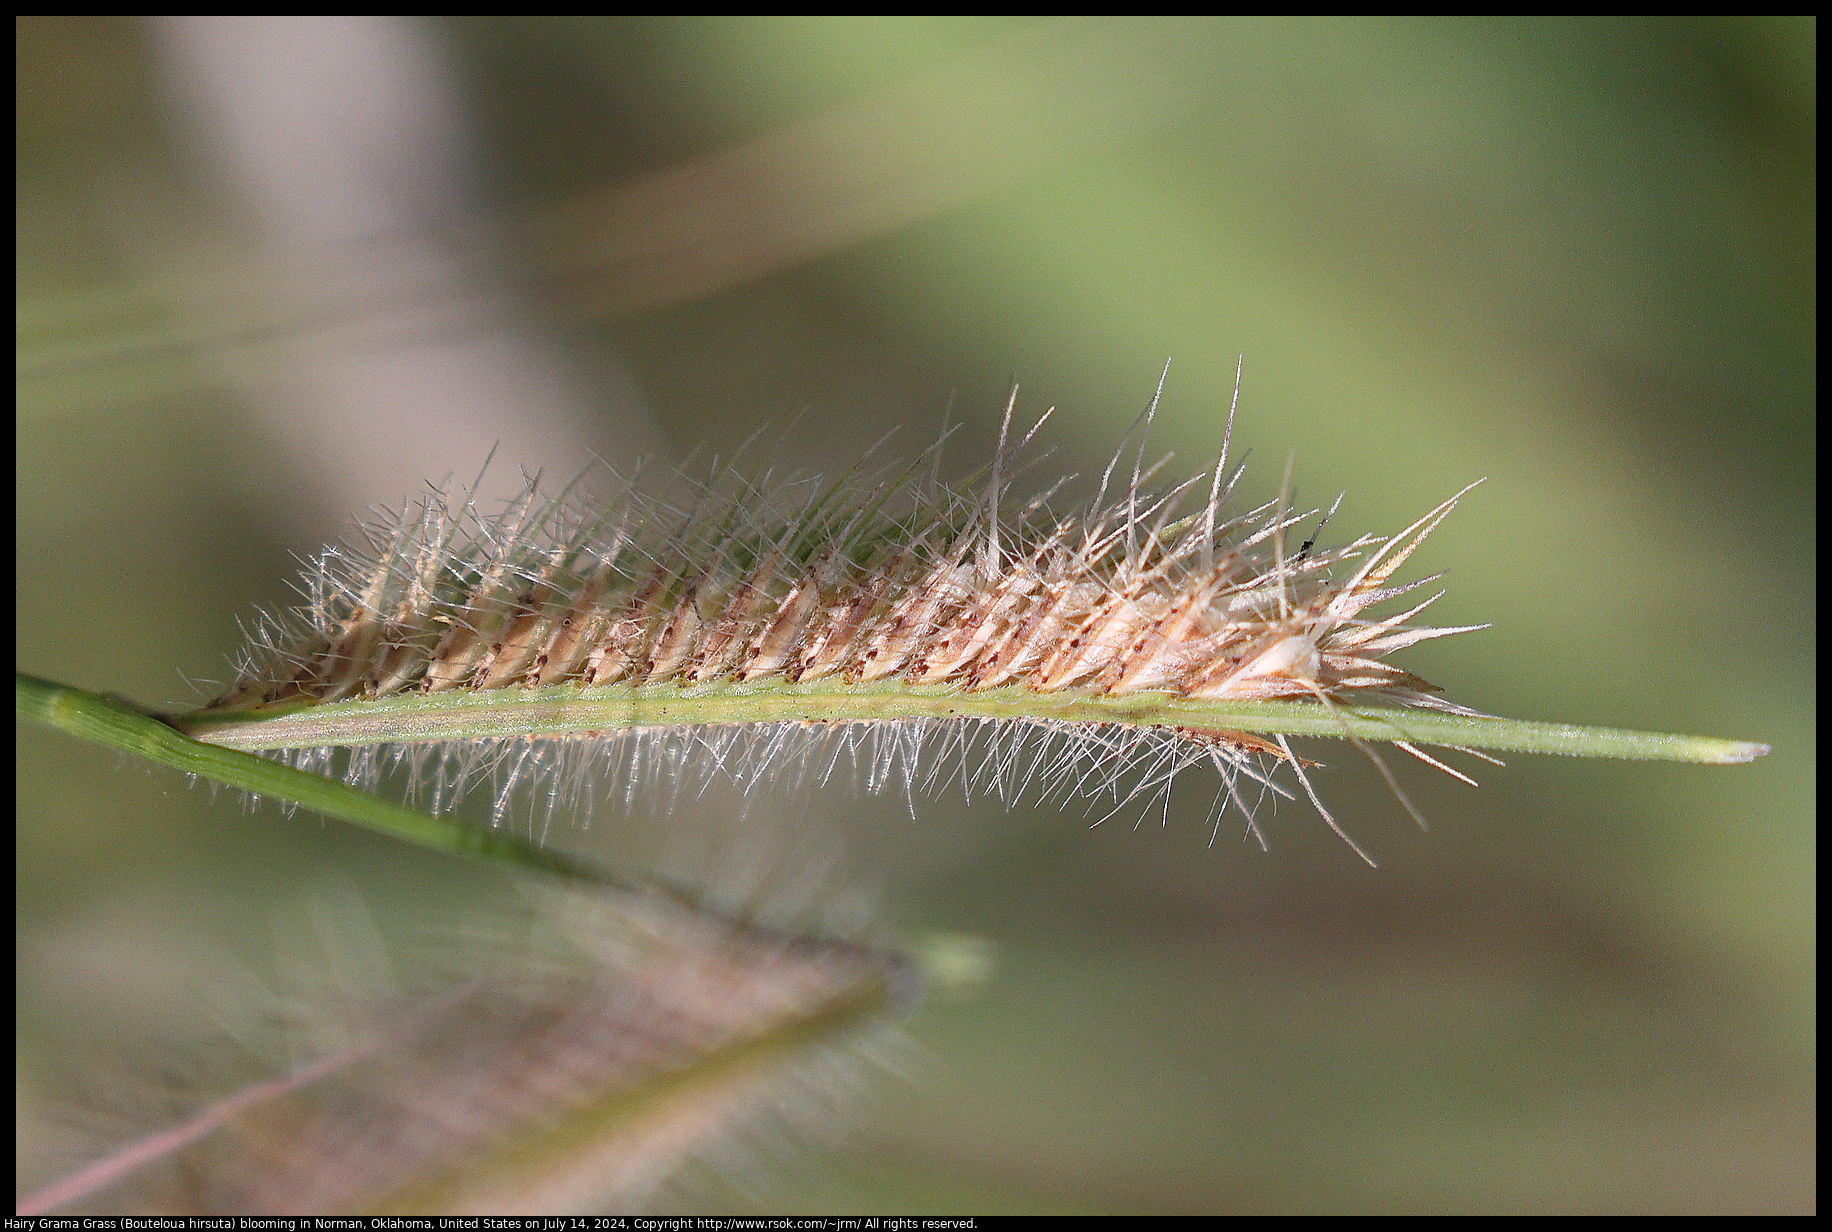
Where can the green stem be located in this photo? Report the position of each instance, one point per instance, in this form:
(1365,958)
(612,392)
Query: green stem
(563,710)
(115,723)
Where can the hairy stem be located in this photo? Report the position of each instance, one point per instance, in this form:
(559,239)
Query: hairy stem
(118,725)
(568,710)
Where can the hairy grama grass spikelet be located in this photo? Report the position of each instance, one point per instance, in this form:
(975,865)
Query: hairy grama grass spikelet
(778,628)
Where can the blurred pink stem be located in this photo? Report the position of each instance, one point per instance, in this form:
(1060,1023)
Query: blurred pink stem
(153,1147)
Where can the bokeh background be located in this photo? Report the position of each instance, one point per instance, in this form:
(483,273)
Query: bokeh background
(274,270)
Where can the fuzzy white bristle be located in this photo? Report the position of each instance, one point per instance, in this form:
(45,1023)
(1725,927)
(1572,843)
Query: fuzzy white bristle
(870,582)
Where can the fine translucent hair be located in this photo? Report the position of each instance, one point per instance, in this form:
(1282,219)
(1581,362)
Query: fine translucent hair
(882,582)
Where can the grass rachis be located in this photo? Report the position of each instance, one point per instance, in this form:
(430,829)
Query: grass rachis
(930,632)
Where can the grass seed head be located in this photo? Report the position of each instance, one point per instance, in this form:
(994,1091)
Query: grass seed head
(874,580)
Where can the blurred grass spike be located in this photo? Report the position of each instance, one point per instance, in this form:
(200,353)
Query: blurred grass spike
(572,1076)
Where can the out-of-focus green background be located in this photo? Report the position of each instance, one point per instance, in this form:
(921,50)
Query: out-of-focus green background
(1575,257)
